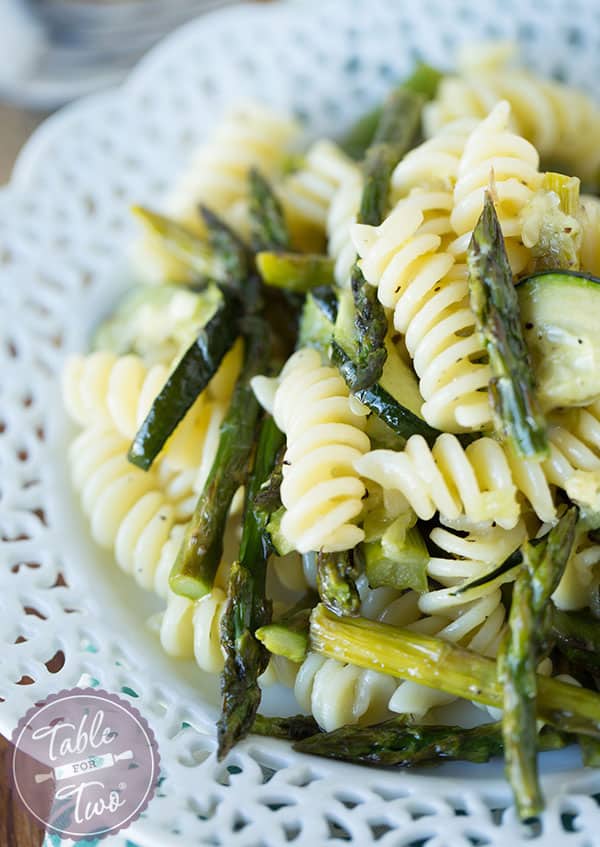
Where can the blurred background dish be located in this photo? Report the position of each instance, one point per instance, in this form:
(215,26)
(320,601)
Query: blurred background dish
(52,51)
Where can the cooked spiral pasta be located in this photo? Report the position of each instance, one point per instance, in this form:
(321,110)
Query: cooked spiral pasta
(478,484)
(337,694)
(120,390)
(493,153)
(574,589)
(249,136)
(342,214)
(574,462)
(192,629)
(307,193)
(321,491)
(562,122)
(128,510)
(433,165)
(405,258)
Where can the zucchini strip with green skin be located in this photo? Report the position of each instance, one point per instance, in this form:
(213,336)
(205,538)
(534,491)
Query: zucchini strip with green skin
(446,667)
(495,303)
(194,570)
(191,376)
(398,744)
(296,272)
(268,230)
(542,569)
(401,420)
(247,607)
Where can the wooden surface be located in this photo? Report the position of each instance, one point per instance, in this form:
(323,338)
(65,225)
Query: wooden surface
(17,829)
(16,125)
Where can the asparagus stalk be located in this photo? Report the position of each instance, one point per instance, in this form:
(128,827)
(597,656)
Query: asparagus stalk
(517,661)
(396,743)
(191,376)
(182,243)
(234,256)
(540,574)
(296,272)
(268,230)
(495,304)
(359,137)
(577,637)
(288,636)
(194,570)
(289,729)
(247,607)
(336,573)
(438,664)
(286,640)
(395,133)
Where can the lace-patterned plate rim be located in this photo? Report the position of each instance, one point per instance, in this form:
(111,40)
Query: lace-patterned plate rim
(62,258)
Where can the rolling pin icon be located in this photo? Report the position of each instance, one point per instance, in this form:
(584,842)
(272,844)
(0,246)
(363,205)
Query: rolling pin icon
(92,763)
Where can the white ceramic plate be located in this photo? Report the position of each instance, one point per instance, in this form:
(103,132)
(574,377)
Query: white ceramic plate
(64,227)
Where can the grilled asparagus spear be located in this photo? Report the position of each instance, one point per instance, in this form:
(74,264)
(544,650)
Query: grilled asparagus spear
(359,137)
(200,553)
(182,243)
(543,566)
(247,606)
(494,301)
(395,742)
(336,573)
(446,667)
(289,729)
(268,230)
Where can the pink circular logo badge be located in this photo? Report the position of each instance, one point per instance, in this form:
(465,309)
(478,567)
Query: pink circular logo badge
(85,763)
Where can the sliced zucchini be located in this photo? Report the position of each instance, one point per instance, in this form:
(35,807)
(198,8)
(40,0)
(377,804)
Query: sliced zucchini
(398,559)
(156,322)
(192,374)
(560,314)
(317,319)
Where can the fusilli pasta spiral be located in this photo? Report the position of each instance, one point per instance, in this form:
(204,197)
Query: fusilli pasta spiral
(307,193)
(251,135)
(321,491)
(433,165)
(191,629)
(128,510)
(119,390)
(478,483)
(342,214)
(574,462)
(405,258)
(493,153)
(562,122)
(574,589)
